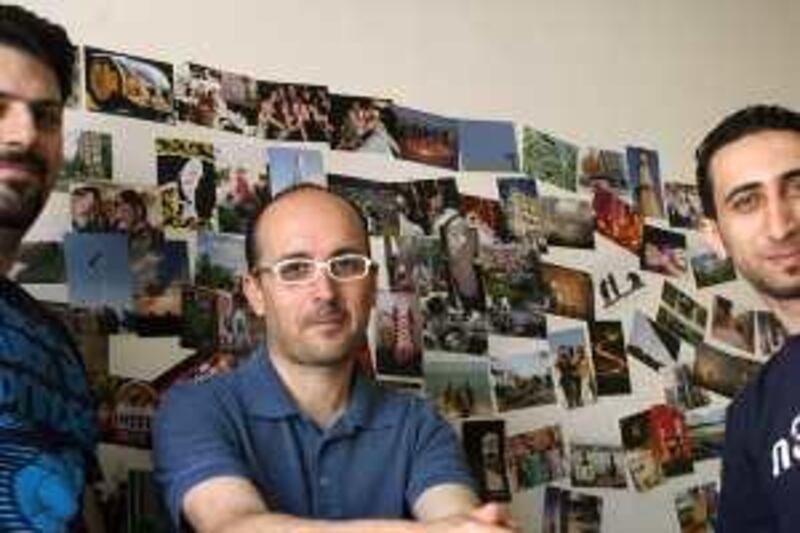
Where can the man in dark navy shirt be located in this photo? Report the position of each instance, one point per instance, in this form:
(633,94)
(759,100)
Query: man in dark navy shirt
(748,171)
(296,438)
(47,422)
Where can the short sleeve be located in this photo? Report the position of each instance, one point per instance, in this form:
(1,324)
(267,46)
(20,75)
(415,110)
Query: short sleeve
(438,455)
(194,439)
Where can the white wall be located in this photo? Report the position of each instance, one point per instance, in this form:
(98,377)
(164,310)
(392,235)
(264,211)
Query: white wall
(608,73)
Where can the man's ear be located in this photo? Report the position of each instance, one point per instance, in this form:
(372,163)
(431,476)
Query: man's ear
(710,231)
(253,293)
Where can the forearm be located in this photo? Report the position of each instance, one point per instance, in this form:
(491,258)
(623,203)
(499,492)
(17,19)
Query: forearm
(281,523)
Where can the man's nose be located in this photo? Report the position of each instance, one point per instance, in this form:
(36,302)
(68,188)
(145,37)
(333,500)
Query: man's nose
(18,126)
(323,284)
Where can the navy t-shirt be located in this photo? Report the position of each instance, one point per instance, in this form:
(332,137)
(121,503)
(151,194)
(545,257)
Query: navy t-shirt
(47,422)
(374,462)
(761,458)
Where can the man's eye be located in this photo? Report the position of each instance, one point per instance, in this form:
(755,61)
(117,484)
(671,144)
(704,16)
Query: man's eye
(296,269)
(793,186)
(744,203)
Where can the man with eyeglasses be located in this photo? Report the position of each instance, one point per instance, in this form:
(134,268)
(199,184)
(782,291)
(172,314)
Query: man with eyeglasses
(47,421)
(295,439)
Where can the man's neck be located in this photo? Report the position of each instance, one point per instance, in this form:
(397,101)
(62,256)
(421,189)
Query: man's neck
(321,392)
(9,244)
(788,313)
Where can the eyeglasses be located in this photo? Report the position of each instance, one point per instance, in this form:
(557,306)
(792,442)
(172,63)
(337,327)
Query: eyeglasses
(47,114)
(298,271)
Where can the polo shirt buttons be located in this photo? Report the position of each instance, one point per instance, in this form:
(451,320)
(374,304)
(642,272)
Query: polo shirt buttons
(324,482)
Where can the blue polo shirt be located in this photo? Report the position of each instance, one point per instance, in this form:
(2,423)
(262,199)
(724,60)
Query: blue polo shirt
(374,462)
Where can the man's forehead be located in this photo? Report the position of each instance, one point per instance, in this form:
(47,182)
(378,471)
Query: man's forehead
(16,67)
(755,159)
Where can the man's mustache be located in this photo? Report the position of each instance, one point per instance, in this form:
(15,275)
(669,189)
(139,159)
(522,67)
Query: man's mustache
(32,161)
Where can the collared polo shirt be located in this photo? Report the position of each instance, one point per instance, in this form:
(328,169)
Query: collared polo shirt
(374,462)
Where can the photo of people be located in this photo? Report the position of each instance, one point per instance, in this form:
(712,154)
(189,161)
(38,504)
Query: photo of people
(524,379)
(458,384)
(377,200)
(567,510)
(487,145)
(549,159)
(88,209)
(242,185)
(602,169)
(568,222)
(697,508)
(189,166)
(732,325)
(416,264)
(485,215)
(87,157)
(771,333)
(722,373)
(683,205)
(523,210)
(293,112)
(426,138)
(574,370)
(536,457)
(485,447)
(598,466)
(289,166)
(239,330)
(363,124)
(709,269)
(641,459)
(645,181)
(663,252)
(609,358)
(617,220)
(398,338)
(127,85)
(612,291)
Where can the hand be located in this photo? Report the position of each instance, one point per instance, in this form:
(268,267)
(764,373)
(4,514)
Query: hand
(489,518)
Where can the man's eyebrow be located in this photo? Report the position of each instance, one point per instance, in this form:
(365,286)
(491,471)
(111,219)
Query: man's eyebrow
(789,174)
(37,101)
(741,189)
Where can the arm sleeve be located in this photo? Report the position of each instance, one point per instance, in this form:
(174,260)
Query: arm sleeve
(438,456)
(744,507)
(194,439)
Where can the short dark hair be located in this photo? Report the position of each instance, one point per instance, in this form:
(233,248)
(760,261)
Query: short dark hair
(747,121)
(251,246)
(133,199)
(48,42)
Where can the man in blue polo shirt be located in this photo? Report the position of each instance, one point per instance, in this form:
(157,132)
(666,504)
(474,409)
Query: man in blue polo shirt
(296,438)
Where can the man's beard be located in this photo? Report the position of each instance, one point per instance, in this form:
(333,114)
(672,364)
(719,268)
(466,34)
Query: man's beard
(773,289)
(22,201)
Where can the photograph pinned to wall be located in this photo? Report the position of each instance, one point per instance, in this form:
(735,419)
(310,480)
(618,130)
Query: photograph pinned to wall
(663,251)
(290,166)
(609,358)
(771,333)
(487,145)
(680,390)
(568,222)
(641,460)
(696,508)
(567,510)
(722,373)
(732,325)
(568,291)
(220,262)
(515,291)
(549,159)
(597,466)
(159,275)
(122,84)
(671,441)
(98,271)
(613,289)
(645,181)
(574,371)
(485,447)
(523,211)
(39,262)
(709,269)
(452,329)
(379,201)
(485,215)
(524,379)
(618,221)
(199,311)
(125,411)
(363,124)
(87,157)
(536,457)
(651,343)
(242,185)
(189,167)
(683,205)
(240,99)
(603,169)
(101,206)
(426,138)
(75,100)
(198,94)
(460,245)
(458,384)
(90,205)
(293,112)
(416,264)
(685,308)
(239,329)
(706,428)
(428,205)
(680,328)
(398,339)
